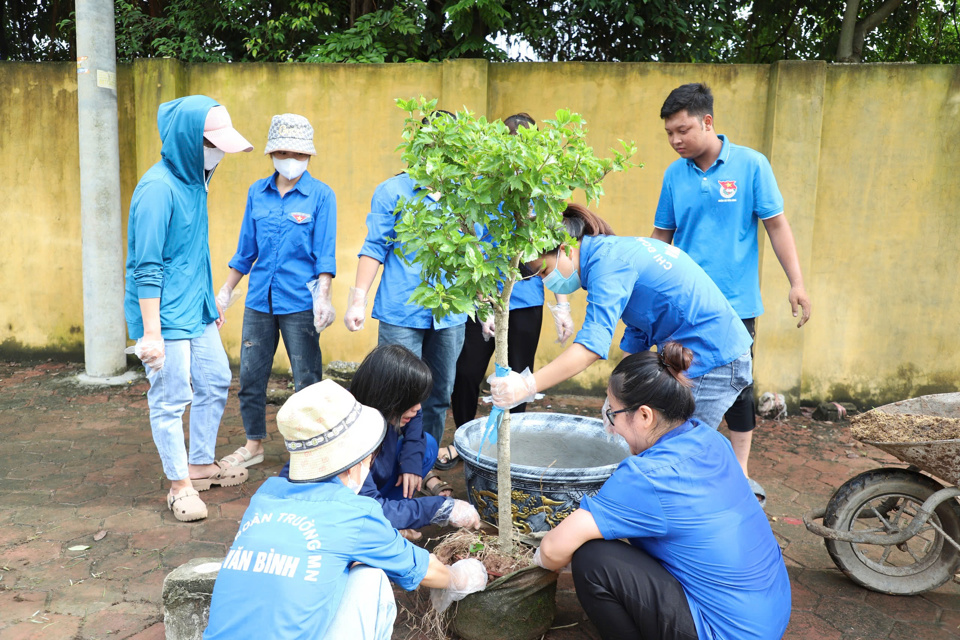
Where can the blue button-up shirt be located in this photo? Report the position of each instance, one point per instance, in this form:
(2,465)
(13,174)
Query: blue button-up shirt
(661,295)
(715,213)
(399,279)
(286,242)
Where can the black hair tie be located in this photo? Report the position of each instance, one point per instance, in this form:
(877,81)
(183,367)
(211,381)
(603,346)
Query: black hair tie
(663,360)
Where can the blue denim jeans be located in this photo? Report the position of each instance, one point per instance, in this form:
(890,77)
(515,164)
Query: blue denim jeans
(715,391)
(203,361)
(367,609)
(439,348)
(261,336)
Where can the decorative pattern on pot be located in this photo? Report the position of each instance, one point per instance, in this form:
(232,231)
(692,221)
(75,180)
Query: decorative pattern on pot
(556,459)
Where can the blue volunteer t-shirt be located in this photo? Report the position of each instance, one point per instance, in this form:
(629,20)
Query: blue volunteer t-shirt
(399,279)
(661,295)
(287,568)
(686,502)
(714,215)
(285,242)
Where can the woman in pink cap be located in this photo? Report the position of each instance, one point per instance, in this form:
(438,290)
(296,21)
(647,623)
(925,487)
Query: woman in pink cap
(169,303)
(287,245)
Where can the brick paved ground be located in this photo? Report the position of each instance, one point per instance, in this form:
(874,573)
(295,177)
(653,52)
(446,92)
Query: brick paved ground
(77,461)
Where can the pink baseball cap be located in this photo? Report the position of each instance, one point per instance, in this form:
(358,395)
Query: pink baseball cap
(219,130)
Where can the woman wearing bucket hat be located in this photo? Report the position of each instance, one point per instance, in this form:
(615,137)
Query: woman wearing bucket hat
(319,555)
(287,244)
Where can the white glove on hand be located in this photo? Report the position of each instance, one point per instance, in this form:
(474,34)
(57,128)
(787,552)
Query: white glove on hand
(464,515)
(356,309)
(488,328)
(150,352)
(537,560)
(466,577)
(513,389)
(323,312)
(562,320)
(224,297)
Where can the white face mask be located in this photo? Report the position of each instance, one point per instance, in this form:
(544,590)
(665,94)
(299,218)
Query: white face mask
(364,472)
(290,168)
(211,158)
(607,425)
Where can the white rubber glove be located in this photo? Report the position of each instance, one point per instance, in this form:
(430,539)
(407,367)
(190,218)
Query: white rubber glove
(562,320)
(151,353)
(513,389)
(323,312)
(488,328)
(464,515)
(356,309)
(537,560)
(223,297)
(466,577)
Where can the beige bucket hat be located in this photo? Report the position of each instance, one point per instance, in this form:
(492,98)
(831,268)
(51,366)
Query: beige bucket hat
(327,431)
(290,132)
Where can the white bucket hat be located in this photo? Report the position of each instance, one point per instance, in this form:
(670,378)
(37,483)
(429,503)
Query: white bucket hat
(327,431)
(290,132)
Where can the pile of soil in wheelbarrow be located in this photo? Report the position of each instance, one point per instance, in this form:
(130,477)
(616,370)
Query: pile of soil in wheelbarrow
(876,426)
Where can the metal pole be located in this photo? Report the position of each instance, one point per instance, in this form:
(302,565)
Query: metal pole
(104,333)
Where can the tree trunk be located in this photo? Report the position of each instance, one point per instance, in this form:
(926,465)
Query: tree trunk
(504,486)
(853,33)
(849,25)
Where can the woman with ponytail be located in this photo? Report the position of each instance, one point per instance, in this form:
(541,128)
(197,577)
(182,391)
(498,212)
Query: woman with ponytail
(674,545)
(659,293)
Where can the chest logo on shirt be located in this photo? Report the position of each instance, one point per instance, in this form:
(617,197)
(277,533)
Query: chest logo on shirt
(300,218)
(728,188)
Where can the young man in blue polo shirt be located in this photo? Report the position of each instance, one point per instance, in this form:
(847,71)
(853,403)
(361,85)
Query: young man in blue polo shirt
(711,199)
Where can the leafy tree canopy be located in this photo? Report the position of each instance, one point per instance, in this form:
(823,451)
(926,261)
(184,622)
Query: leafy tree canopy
(746,31)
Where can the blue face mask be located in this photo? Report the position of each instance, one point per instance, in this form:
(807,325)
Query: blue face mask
(558,283)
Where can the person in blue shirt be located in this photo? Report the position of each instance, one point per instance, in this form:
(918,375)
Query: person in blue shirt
(287,244)
(711,199)
(659,293)
(169,303)
(312,559)
(674,545)
(526,318)
(394,381)
(438,342)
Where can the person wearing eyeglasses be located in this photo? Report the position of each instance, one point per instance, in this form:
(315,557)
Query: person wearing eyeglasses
(674,545)
(659,293)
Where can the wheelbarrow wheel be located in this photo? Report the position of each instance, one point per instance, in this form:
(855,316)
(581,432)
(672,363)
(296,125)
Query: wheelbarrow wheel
(886,501)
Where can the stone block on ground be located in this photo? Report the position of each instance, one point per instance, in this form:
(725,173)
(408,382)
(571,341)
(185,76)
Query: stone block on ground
(186,598)
(341,372)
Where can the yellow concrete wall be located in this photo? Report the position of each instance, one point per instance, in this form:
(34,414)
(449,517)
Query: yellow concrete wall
(862,154)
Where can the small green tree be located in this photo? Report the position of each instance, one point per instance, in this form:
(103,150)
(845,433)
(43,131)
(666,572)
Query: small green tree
(512,189)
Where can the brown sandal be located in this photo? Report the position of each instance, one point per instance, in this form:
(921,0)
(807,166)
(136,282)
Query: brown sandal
(437,488)
(187,505)
(226,476)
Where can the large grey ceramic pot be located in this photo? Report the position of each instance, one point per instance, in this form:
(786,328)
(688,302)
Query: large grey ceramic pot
(555,460)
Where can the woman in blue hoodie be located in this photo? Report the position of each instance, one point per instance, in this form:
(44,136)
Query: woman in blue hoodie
(169,303)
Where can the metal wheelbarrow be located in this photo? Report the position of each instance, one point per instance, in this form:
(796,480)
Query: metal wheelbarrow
(896,530)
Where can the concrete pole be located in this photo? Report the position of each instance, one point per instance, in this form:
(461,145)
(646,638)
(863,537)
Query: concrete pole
(104,332)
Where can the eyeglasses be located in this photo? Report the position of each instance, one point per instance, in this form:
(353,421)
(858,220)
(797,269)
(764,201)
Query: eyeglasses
(609,413)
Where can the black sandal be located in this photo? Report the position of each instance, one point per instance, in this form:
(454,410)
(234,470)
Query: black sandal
(452,458)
